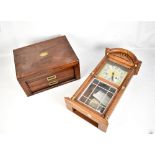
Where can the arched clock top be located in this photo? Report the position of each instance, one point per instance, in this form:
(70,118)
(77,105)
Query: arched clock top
(125,57)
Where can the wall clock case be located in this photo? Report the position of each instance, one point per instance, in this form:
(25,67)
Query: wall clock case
(97,97)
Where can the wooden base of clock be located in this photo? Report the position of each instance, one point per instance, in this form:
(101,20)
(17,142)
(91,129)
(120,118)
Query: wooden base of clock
(97,97)
(86,114)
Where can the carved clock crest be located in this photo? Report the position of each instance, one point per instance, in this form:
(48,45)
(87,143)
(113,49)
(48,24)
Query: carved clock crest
(97,97)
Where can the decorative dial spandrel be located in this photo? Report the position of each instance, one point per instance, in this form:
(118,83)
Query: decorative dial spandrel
(97,95)
(113,72)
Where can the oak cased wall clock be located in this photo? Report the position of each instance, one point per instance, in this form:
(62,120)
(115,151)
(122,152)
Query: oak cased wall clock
(97,97)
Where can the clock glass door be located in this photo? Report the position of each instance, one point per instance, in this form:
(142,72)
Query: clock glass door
(97,95)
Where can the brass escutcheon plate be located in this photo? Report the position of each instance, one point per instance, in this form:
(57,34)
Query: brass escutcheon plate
(43,54)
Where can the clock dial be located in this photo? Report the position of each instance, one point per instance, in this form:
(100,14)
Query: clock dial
(113,72)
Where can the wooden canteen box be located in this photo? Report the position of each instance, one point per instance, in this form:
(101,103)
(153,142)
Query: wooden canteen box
(45,65)
(97,97)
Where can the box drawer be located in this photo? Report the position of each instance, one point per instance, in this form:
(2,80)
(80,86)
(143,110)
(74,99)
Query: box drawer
(51,80)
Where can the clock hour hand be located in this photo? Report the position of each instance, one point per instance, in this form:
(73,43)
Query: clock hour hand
(112,77)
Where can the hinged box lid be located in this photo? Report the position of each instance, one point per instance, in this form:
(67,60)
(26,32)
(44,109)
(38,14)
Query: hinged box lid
(49,54)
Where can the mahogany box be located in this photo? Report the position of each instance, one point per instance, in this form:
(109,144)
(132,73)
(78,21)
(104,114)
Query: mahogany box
(45,65)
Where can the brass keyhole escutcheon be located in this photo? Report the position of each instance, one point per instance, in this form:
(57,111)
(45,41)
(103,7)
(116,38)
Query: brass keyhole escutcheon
(43,54)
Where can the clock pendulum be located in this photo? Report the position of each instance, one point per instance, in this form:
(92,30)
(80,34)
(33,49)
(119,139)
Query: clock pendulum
(97,97)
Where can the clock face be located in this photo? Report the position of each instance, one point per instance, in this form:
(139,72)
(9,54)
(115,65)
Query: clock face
(113,72)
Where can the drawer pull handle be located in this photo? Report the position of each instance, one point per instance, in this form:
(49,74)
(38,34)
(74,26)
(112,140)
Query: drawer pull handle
(53,82)
(50,78)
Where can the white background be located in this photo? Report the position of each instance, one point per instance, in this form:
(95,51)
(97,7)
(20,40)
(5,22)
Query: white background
(41,124)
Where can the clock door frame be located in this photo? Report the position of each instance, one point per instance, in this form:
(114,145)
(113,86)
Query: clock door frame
(119,56)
